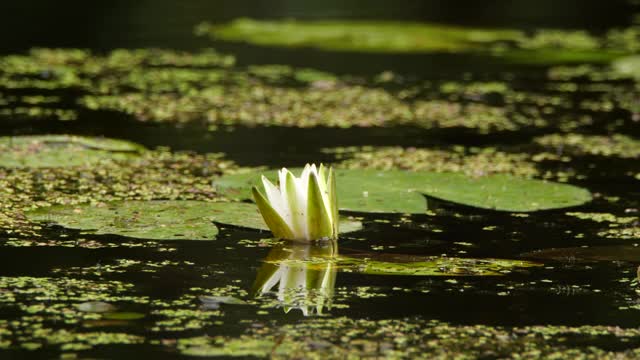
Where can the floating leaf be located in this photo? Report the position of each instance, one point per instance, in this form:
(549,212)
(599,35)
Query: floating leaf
(95,307)
(62,150)
(543,47)
(124,316)
(366,36)
(401,191)
(503,192)
(159,220)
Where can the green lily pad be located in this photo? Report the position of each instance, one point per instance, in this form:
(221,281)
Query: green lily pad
(366,36)
(402,191)
(434,266)
(510,45)
(124,316)
(62,150)
(159,220)
(503,192)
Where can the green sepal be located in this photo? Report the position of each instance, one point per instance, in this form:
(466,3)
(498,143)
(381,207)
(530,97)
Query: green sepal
(294,206)
(274,221)
(318,217)
(333,202)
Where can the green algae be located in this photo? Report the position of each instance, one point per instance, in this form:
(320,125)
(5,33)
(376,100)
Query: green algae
(62,150)
(401,192)
(49,312)
(587,254)
(603,217)
(434,266)
(624,233)
(472,161)
(257,95)
(122,266)
(617,145)
(185,90)
(152,174)
(341,337)
(38,112)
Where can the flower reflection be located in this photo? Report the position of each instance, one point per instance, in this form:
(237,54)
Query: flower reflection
(302,276)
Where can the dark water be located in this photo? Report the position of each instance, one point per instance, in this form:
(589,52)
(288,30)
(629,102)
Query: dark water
(573,293)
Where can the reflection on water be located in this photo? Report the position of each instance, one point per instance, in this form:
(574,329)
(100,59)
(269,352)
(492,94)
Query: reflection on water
(301,276)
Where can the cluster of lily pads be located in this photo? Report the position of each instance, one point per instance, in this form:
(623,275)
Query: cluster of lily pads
(113,193)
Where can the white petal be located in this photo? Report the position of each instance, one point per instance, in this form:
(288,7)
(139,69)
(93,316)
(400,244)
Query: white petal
(275,199)
(286,208)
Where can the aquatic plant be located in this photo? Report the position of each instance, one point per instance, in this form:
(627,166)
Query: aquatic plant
(303,208)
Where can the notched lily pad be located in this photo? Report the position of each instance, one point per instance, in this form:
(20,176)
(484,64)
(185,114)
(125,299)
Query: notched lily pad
(158,220)
(62,150)
(503,192)
(402,191)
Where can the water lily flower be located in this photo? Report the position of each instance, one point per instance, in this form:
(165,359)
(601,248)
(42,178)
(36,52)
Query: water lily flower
(302,276)
(302,208)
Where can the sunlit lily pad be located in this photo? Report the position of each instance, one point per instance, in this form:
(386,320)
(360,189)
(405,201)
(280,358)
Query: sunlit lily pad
(503,192)
(543,47)
(95,307)
(402,191)
(62,150)
(367,36)
(159,220)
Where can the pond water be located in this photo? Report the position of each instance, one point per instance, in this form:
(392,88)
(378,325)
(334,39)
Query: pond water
(461,244)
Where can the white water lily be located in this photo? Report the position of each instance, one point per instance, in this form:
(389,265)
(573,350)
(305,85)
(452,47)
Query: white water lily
(301,208)
(301,276)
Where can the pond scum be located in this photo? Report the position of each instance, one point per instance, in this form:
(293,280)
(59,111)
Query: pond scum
(98,236)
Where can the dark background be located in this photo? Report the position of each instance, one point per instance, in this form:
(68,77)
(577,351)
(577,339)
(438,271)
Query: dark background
(104,25)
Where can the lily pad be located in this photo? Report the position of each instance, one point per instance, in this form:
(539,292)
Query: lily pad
(159,220)
(366,36)
(62,150)
(511,45)
(503,192)
(95,307)
(628,66)
(124,316)
(434,266)
(402,191)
